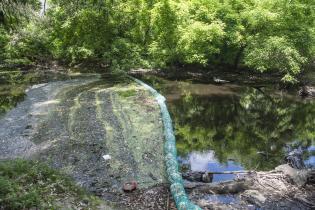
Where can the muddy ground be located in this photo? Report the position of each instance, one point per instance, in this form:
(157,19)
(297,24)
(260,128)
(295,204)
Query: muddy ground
(101,131)
(282,188)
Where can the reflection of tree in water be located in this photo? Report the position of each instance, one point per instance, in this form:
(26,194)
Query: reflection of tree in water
(11,90)
(252,128)
(14,83)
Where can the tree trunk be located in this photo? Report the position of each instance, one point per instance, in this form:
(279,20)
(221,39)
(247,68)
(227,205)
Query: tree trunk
(44,7)
(1,18)
(238,57)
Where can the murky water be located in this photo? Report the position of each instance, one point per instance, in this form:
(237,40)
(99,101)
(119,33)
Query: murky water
(231,128)
(14,83)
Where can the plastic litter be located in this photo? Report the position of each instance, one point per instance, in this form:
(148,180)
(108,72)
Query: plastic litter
(107,157)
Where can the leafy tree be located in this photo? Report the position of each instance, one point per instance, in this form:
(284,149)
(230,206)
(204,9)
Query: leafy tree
(275,53)
(29,44)
(13,12)
(200,41)
(165,33)
(263,35)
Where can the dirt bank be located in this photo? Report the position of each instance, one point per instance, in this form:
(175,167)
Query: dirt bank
(101,131)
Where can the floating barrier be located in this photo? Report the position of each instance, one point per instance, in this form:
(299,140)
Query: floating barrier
(174,177)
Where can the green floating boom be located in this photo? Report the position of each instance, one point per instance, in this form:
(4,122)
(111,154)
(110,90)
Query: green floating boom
(177,188)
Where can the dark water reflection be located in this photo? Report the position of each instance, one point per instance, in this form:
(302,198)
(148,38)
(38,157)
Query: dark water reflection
(230,127)
(13,84)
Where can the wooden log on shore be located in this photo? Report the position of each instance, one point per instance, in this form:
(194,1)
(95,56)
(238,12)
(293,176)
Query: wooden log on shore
(207,177)
(286,186)
(227,187)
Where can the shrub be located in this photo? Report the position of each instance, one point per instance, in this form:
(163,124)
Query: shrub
(30,184)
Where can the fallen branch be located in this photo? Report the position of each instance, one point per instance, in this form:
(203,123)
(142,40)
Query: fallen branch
(228,187)
(230,172)
(207,177)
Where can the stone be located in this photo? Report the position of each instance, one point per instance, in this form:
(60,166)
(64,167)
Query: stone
(254,197)
(130,186)
(299,177)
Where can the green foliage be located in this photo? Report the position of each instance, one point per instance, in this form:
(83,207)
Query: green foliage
(165,33)
(29,184)
(27,45)
(275,53)
(23,36)
(263,35)
(15,12)
(200,41)
(4,39)
(124,55)
(99,31)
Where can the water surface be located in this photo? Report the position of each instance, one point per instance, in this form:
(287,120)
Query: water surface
(231,127)
(13,84)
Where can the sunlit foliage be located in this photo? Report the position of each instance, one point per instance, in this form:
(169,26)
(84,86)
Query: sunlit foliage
(13,12)
(263,35)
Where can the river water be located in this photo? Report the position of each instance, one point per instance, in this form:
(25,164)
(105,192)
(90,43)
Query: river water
(231,127)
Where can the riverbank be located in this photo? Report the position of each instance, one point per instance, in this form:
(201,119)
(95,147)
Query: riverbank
(213,76)
(103,132)
(281,188)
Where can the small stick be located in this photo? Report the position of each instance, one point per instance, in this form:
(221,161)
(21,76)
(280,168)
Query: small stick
(168,201)
(229,172)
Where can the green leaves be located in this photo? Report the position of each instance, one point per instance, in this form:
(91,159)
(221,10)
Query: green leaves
(275,53)
(33,185)
(165,34)
(27,45)
(199,41)
(263,35)
(14,12)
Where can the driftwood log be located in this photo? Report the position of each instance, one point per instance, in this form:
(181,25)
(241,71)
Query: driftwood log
(283,188)
(207,176)
(228,187)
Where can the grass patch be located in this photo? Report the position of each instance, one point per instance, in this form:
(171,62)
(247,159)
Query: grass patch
(30,184)
(127,93)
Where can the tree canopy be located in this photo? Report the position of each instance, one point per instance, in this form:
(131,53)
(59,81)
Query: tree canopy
(262,35)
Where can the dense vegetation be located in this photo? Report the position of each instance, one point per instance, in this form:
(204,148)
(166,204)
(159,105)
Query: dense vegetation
(33,185)
(262,35)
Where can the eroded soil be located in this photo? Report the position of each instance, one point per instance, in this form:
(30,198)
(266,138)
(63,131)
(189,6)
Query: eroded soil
(101,132)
